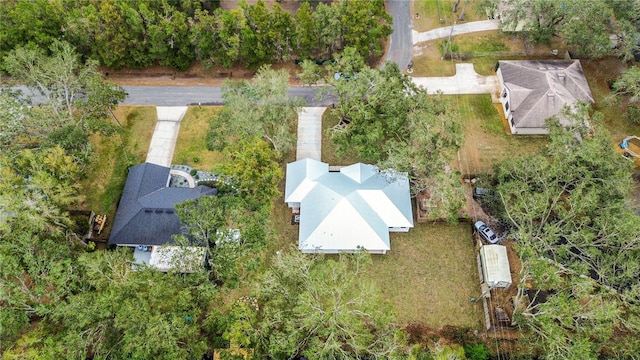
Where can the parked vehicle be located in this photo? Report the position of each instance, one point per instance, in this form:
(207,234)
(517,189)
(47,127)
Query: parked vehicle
(483,193)
(485,232)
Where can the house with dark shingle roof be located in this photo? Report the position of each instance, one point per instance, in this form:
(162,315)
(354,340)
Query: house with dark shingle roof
(531,91)
(146,217)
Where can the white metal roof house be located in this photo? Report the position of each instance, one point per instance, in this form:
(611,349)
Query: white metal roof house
(496,272)
(347,210)
(531,91)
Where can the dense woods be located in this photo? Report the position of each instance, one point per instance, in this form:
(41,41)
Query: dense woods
(138,34)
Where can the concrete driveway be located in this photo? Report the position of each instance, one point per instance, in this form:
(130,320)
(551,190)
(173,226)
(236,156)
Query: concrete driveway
(465,81)
(163,141)
(310,133)
(458,29)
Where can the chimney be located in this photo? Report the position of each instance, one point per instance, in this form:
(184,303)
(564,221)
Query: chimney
(561,76)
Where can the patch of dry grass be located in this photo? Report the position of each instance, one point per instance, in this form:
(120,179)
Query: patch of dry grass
(429,61)
(438,13)
(486,141)
(430,275)
(600,74)
(191,146)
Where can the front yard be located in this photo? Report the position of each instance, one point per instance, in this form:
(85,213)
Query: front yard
(107,173)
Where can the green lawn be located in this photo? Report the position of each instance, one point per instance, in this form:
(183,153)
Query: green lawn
(106,175)
(486,140)
(191,146)
(488,47)
(429,276)
(432,11)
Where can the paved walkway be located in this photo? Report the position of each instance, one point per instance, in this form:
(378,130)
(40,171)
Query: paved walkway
(163,141)
(184,174)
(310,133)
(458,29)
(465,81)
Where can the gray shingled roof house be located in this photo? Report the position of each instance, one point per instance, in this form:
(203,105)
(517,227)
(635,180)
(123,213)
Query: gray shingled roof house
(531,91)
(146,214)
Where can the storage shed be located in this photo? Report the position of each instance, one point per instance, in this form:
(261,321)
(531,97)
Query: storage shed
(495,266)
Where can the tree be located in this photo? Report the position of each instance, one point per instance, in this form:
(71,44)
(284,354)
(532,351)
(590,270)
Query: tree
(169,39)
(258,108)
(577,239)
(628,84)
(254,172)
(304,38)
(627,87)
(319,307)
(387,120)
(212,222)
(37,22)
(73,94)
(328,29)
(365,25)
(584,26)
(65,84)
(36,239)
(126,313)
(311,72)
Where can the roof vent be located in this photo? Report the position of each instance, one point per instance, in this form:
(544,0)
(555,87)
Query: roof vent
(158,211)
(148,210)
(169,211)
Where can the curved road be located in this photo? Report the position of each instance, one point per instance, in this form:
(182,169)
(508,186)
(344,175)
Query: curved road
(401,40)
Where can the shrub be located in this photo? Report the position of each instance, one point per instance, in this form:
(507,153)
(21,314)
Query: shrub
(632,115)
(476,351)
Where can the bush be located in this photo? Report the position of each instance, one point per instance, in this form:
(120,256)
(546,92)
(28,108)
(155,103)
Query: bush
(476,351)
(632,115)
(193,172)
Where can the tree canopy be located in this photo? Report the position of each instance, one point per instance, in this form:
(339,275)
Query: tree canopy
(139,34)
(585,26)
(319,307)
(578,241)
(386,119)
(259,108)
(74,100)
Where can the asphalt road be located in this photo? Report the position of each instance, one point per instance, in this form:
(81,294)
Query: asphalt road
(206,95)
(400,46)
(194,95)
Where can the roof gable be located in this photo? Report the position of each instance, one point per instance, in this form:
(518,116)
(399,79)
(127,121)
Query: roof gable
(300,176)
(359,172)
(333,233)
